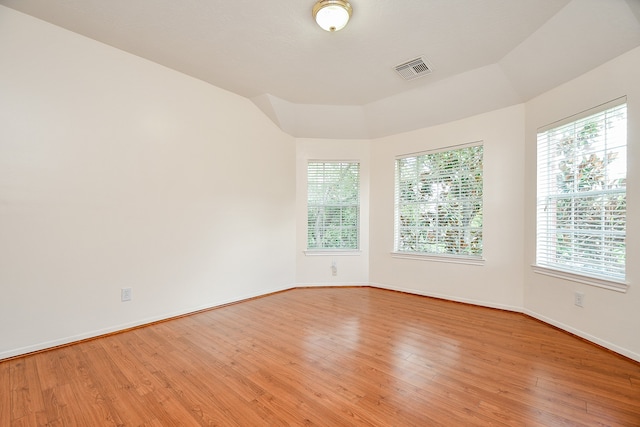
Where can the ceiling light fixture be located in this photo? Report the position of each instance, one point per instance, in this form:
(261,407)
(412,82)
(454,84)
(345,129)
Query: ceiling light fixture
(332,15)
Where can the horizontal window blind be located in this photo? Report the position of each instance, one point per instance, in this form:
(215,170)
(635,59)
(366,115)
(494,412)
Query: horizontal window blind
(581,194)
(333,205)
(438,202)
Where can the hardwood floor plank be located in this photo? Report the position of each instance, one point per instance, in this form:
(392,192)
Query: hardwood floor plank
(622,416)
(582,388)
(5,394)
(68,409)
(26,396)
(173,373)
(93,404)
(327,356)
(152,393)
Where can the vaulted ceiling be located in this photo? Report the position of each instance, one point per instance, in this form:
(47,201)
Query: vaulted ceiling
(484,54)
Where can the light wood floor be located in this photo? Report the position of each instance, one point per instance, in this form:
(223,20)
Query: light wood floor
(327,357)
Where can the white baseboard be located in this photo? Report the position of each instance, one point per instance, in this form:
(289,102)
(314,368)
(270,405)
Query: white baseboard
(124,326)
(141,322)
(331,284)
(609,346)
(481,303)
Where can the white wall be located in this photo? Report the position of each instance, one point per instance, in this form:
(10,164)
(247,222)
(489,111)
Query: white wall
(353,268)
(497,283)
(609,318)
(117,172)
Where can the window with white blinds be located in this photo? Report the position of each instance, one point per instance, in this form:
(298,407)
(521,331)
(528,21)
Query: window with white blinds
(438,202)
(581,200)
(333,205)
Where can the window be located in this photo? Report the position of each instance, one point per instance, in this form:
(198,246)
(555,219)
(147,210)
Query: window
(333,205)
(438,203)
(582,204)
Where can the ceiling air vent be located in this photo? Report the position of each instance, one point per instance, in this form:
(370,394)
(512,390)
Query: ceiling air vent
(413,69)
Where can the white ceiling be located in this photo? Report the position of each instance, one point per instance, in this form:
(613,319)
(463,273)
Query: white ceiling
(485,54)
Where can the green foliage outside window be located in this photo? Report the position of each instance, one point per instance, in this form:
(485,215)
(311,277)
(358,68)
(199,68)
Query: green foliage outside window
(439,202)
(582,195)
(333,205)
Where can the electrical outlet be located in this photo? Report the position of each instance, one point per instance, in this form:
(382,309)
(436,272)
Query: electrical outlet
(579,299)
(125,294)
(334,268)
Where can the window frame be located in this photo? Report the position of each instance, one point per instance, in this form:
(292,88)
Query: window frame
(459,258)
(542,263)
(339,250)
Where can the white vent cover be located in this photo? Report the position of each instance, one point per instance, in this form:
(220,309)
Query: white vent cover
(413,69)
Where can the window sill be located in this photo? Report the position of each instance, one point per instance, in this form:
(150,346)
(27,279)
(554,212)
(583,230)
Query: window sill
(439,258)
(592,281)
(336,252)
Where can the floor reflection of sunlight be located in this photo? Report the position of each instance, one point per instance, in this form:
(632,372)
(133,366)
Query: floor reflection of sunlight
(427,347)
(341,335)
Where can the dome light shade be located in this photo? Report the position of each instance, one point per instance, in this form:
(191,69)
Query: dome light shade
(332,15)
